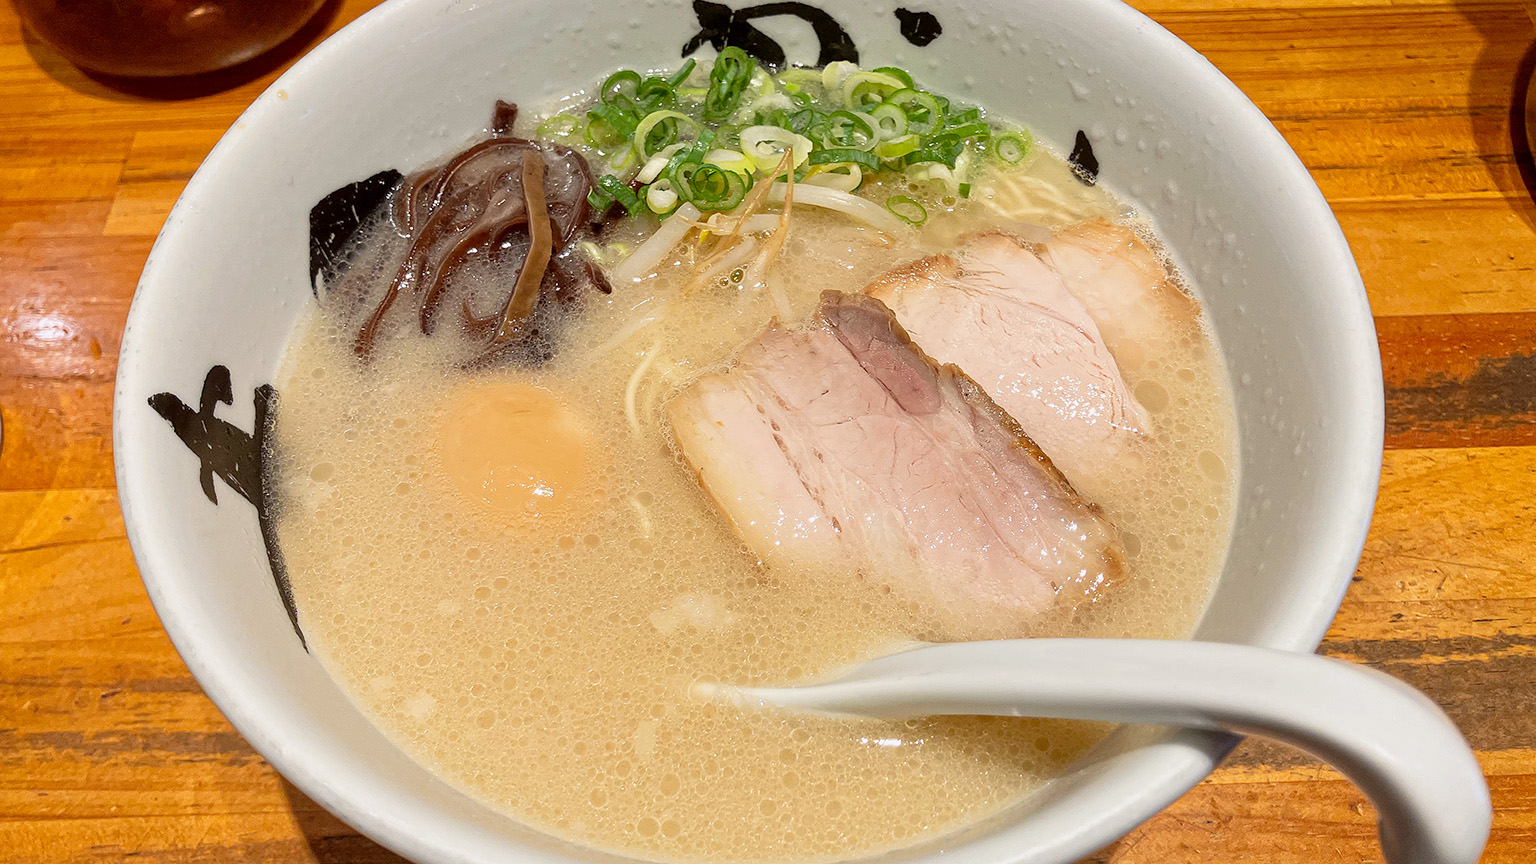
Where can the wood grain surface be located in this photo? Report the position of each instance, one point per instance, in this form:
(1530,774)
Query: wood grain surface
(1402,109)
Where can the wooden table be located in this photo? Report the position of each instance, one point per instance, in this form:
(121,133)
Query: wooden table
(1401,108)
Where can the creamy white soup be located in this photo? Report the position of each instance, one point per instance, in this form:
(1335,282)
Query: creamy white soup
(517,567)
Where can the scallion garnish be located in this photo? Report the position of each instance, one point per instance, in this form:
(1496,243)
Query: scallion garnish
(622,194)
(907,209)
(727,81)
(1011,147)
(850,129)
(708,186)
(835,156)
(620,121)
(707,146)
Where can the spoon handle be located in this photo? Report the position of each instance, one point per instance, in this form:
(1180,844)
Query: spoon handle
(1392,741)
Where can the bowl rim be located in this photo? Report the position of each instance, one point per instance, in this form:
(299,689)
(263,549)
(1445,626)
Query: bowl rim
(1106,813)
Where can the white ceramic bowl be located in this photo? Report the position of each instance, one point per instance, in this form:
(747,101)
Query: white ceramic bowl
(412,80)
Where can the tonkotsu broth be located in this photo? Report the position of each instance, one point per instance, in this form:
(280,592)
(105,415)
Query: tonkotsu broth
(543,664)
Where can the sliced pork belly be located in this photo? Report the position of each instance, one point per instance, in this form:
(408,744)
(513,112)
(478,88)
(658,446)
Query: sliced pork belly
(1001,313)
(843,445)
(1126,289)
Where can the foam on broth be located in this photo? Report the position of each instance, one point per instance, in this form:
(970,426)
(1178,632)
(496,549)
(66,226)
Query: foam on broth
(543,664)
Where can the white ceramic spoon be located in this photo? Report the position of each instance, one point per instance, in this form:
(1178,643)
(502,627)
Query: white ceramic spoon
(1391,740)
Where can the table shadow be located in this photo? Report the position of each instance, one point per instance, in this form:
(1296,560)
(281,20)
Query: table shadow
(1500,134)
(127,89)
(330,840)
(1521,123)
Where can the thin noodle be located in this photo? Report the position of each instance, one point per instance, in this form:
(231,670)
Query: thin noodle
(634,386)
(625,333)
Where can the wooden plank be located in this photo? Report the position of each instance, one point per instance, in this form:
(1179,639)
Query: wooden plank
(157,168)
(1260,761)
(166,154)
(65,299)
(1451,526)
(1439,257)
(1459,380)
(1238,11)
(28,220)
(62,337)
(245,839)
(56,517)
(1436,111)
(1337,59)
(1323,822)
(69,181)
(57,434)
(139,209)
(44,588)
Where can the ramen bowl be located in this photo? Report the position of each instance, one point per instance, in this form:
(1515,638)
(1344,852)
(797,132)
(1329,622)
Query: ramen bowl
(232,272)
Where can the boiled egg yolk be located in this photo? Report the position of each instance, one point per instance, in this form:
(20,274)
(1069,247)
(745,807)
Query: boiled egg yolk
(515,449)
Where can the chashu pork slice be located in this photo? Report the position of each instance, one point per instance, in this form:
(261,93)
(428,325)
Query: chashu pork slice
(842,444)
(1005,315)
(1126,289)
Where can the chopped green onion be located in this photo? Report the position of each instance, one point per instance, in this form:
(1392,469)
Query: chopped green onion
(1011,147)
(970,115)
(730,160)
(923,110)
(621,122)
(621,163)
(762,84)
(946,154)
(801,121)
(890,121)
(895,148)
(613,87)
(850,129)
(838,123)
(930,172)
(622,194)
(796,79)
(558,126)
(654,92)
(775,117)
(682,74)
(765,146)
(864,90)
(709,187)
(661,197)
(898,73)
(832,156)
(907,209)
(835,73)
(693,152)
(727,81)
(658,130)
(657,163)
(600,135)
(958,133)
(842,176)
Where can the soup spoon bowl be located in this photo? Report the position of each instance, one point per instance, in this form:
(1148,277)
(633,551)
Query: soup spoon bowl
(1389,739)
